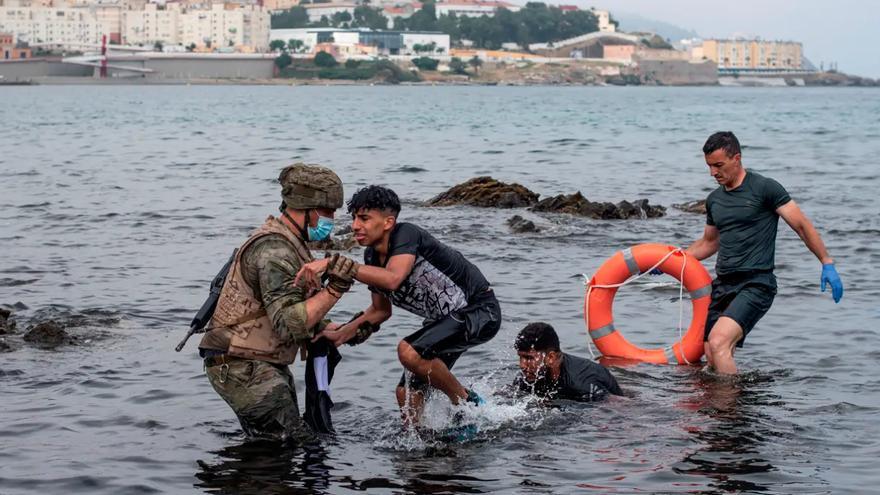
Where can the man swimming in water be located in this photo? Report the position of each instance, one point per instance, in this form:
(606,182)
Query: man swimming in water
(548,372)
(407,267)
(742,216)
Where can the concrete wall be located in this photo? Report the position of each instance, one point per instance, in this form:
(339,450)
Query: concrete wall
(187,68)
(623,53)
(678,72)
(40,67)
(182,68)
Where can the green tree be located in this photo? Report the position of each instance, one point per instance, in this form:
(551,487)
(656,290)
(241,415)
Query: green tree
(295,45)
(535,23)
(457,66)
(340,19)
(158,46)
(297,17)
(424,19)
(324,59)
(476,63)
(368,17)
(277,45)
(283,60)
(426,63)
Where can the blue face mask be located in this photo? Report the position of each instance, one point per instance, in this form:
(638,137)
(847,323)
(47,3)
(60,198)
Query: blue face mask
(322,230)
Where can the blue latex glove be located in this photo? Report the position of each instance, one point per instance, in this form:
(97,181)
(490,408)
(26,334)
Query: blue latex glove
(656,271)
(830,277)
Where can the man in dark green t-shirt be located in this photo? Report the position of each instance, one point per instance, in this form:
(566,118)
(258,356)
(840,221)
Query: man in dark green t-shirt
(741,221)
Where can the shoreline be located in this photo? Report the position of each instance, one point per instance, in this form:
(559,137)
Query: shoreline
(91,81)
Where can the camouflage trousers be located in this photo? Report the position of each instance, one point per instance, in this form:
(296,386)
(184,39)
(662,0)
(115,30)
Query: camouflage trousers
(263,397)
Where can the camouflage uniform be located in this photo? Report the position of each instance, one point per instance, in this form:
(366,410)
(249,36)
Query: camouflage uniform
(261,392)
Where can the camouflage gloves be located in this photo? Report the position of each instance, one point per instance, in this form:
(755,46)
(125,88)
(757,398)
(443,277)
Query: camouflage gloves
(363,333)
(341,271)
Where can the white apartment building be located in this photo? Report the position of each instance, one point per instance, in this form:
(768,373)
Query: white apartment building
(51,25)
(245,27)
(472,8)
(413,38)
(318,10)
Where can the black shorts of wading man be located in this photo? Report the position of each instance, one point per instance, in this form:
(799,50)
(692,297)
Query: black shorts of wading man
(742,217)
(406,267)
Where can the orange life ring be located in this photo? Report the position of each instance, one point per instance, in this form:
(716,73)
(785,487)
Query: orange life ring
(633,261)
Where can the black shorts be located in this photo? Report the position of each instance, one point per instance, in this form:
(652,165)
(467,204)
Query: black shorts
(743,297)
(447,339)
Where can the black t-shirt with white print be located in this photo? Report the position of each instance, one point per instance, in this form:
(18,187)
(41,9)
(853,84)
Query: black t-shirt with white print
(441,280)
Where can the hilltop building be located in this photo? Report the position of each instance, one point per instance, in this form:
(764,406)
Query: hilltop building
(756,55)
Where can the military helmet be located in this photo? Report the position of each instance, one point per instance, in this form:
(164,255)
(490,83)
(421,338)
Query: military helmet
(306,186)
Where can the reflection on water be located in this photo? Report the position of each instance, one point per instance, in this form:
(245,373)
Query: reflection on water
(259,467)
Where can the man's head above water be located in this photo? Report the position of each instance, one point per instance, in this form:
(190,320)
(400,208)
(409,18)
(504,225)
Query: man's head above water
(540,357)
(374,211)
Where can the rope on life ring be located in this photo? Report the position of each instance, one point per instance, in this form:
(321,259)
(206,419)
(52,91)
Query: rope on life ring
(623,268)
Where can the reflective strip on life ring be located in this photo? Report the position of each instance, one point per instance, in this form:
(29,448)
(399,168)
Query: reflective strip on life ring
(630,262)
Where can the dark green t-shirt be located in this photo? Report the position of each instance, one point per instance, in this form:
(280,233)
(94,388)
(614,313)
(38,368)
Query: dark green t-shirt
(747,221)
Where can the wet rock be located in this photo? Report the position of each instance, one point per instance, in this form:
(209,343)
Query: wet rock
(48,334)
(341,243)
(519,225)
(577,204)
(4,347)
(486,192)
(698,206)
(66,317)
(7,325)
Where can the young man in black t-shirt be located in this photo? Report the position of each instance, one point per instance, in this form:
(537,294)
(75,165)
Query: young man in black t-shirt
(742,216)
(548,372)
(407,267)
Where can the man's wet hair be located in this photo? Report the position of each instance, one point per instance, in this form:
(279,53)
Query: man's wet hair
(537,336)
(374,198)
(722,140)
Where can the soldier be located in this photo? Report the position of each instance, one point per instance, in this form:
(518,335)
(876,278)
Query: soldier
(263,318)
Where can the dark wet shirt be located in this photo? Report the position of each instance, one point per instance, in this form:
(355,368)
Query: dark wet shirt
(441,280)
(747,222)
(579,379)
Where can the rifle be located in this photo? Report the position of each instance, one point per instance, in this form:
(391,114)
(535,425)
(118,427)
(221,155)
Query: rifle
(207,310)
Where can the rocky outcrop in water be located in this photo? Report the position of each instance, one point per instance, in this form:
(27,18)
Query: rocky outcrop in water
(486,192)
(577,204)
(698,206)
(519,225)
(7,325)
(341,240)
(48,334)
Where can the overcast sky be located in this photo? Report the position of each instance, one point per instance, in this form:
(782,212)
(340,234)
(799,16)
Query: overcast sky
(843,31)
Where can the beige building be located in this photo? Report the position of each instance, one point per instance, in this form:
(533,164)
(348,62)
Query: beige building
(52,25)
(604,18)
(754,54)
(220,25)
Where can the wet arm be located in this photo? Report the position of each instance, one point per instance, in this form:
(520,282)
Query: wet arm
(705,246)
(395,272)
(795,218)
(377,313)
